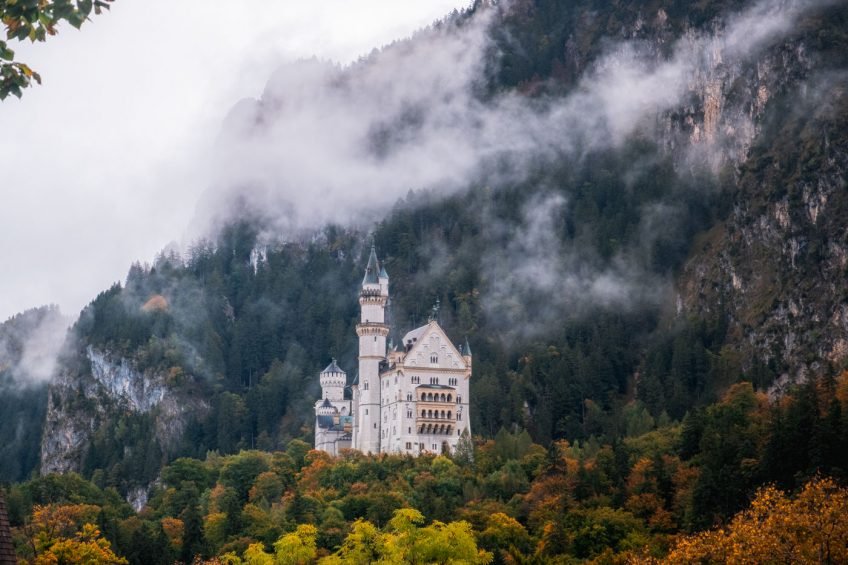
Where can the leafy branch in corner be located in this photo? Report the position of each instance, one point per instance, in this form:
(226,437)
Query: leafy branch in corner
(35,20)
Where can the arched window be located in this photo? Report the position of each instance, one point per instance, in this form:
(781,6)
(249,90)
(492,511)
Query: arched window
(430,396)
(450,398)
(429,413)
(449,414)
(423,396)
(443,397)
(434,358)
(443,413)
(423,413)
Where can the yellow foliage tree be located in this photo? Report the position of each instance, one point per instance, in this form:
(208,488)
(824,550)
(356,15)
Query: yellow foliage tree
(811,528)
(65,534)
(298,547)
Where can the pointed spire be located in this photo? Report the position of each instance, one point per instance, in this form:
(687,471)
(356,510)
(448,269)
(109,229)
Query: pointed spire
(373,268)
(466,350)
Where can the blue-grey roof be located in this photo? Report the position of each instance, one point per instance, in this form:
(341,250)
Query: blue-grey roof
(383,273)
(333,368)
(355,379)
(466,350)
(327,403)
(372,269)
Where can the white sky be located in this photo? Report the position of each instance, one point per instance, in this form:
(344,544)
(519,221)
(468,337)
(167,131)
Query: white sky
(98,166)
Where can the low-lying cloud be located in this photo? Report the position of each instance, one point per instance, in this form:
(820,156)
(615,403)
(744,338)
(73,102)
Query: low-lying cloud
(331,144)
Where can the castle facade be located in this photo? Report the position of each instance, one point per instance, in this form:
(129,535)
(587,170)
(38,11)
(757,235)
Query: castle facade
(412,398)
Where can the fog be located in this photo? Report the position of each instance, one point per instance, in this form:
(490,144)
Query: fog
(104,163)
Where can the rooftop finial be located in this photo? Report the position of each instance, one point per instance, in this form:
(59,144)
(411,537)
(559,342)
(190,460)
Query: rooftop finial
(434,315)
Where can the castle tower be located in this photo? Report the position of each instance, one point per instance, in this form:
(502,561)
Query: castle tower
(372,331)
(333,381)
(332,412)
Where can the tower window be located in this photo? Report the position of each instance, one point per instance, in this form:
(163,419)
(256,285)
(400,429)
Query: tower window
(434,358)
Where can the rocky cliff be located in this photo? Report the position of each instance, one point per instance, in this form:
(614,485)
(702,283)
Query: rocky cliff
(108,392)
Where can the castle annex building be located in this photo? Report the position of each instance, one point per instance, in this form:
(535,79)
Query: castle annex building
(409,399)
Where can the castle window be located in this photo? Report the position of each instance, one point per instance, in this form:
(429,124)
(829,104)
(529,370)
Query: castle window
(434,358)
(409,396)
(423,413)
(408,445)
(409,430)
(409,413)
(450,398)
(375,425)
(443,414)
(458,399)
(366,411)
(365,385)
(423,396)
(449,414)
(442,398)
(458,416)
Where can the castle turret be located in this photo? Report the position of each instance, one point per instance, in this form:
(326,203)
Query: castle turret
(333,380)
(372,331)
(332,412)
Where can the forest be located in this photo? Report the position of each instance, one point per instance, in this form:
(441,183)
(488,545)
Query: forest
(652,495)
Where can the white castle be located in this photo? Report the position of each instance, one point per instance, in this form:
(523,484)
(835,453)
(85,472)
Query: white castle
(413,399)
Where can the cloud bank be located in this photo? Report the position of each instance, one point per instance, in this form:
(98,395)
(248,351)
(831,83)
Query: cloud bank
(330,144)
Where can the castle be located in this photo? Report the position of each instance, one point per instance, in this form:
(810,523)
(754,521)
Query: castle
(410,399)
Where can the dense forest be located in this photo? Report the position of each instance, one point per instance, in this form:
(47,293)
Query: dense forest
(611,422)
(502,500)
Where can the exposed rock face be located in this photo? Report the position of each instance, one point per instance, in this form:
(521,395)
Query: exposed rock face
(776,267)
(81,402)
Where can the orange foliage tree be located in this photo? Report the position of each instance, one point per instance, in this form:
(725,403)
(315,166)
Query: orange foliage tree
(811,528)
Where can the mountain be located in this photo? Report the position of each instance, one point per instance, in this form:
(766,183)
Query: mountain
(626,207)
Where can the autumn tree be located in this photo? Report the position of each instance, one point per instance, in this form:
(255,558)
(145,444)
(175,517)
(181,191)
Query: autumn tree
(66,534)
(811,528)
(35,20)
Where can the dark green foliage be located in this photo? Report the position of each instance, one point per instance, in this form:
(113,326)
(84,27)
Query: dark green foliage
(23,396)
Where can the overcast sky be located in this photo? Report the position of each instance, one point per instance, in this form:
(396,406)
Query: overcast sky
(98,166)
